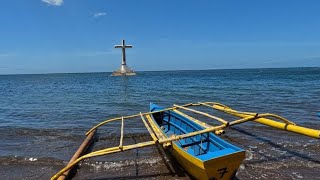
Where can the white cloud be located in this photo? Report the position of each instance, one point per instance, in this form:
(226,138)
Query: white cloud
(53,2)
(99,14)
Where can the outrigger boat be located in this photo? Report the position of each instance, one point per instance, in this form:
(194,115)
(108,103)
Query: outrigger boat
(192,142)
(204,156)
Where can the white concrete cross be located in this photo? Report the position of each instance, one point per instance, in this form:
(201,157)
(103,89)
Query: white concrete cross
(123,46)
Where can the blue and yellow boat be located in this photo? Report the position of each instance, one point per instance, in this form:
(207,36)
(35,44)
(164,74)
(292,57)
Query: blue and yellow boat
(192,142)
(204,156)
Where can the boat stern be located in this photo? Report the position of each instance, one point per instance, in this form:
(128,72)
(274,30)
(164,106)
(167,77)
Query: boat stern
(224,167)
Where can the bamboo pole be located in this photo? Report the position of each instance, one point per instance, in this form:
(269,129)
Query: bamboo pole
(128,117)
(211,129)
(106,151)
(121,137)
(279,125)
(214,103)
(155,139)
(202,113)
(226,108)
(193,119)
(200,123)
(78,153)
(154,127)
(222,105)
(136,115)
(230,111)
(175,138)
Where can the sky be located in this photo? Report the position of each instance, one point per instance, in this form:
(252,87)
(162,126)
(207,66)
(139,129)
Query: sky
(57,36)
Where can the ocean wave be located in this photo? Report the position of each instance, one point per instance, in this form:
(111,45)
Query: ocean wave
(107,165)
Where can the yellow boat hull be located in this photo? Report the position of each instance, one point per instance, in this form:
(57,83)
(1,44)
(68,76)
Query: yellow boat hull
(223,167)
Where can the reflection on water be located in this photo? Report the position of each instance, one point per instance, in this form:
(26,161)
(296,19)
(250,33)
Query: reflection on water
(125,91)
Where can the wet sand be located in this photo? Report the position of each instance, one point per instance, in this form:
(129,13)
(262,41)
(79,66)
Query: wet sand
(270,154)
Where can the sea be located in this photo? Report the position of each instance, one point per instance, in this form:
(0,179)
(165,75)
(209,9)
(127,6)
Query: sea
(44,117)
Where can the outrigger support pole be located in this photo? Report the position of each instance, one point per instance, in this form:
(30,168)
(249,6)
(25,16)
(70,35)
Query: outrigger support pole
(288,126)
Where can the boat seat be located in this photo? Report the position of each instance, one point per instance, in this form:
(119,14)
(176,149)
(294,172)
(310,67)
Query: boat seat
(192,143)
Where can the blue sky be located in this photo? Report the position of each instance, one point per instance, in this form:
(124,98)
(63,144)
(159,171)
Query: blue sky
(47,36)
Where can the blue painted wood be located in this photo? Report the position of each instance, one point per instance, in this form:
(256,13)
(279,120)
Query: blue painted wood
(204,147)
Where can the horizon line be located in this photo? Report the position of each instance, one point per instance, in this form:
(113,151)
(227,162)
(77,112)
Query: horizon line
(162,70)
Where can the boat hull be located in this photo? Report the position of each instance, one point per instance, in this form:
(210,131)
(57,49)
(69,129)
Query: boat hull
(222,165)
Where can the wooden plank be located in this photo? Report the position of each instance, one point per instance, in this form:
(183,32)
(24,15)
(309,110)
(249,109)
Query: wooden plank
(86,143)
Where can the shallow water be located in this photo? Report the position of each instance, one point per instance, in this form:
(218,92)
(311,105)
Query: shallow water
(43,119)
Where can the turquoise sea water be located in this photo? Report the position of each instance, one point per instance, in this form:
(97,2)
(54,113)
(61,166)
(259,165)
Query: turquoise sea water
(43,119)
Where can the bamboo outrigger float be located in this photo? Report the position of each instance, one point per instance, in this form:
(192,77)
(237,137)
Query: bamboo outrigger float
(192,142)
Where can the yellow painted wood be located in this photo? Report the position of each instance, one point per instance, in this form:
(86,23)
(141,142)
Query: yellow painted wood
(288,127)
(121,137)
(132,116)
(235,122)
(211,104)
(154,137)
(224,167)
(161,136)
(203,124)
(202,113)
(191,164)
(101,153)
(155,128)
